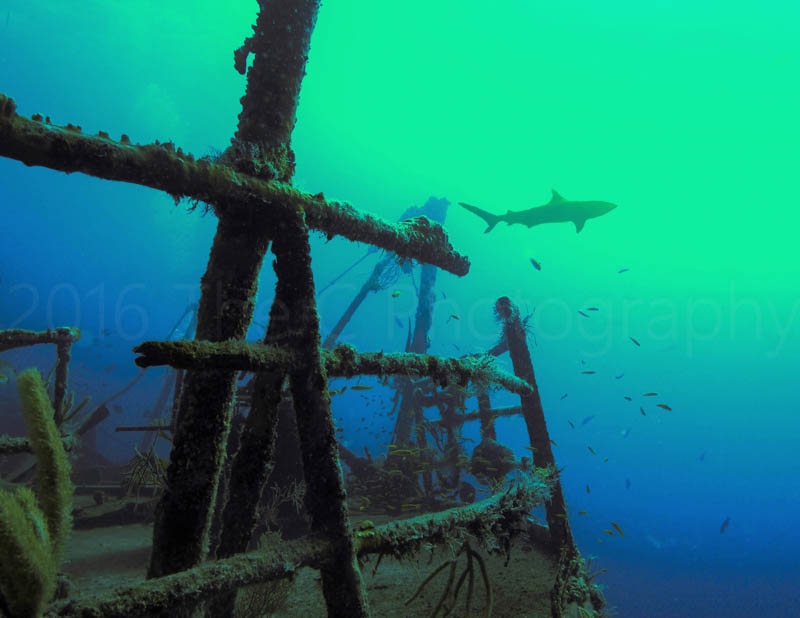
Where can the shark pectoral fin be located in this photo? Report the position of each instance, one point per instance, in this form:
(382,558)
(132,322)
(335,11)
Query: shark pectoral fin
(579,223)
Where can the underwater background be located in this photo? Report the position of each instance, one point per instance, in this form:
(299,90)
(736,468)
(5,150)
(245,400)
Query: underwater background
(682,113)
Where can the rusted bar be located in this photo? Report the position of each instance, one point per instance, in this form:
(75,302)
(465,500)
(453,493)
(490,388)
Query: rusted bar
(532,412)
(18,338)
(228,289)
(343,361)
(325,496)
(16,446)
(263,203)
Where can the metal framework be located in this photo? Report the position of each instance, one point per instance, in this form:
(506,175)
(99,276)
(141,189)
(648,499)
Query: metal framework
(249,190)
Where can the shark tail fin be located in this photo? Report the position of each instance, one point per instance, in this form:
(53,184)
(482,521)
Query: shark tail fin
(490,219)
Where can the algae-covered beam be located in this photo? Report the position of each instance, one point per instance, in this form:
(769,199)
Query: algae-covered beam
(227,299)
(18,338)
(279,46)
(63,356)
(16,446)
(532,412)
(156,597)
(343,361)
(263,203)
(485,413)
(325,497)
(253,462)
(501,515)
(232,354)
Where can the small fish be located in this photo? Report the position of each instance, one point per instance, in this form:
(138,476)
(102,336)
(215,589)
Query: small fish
(564,396)
(531,448)
(725,525)
(571,424)
(588,489)
(553,442)
(398,321)
(583,512)
(702,456)
(663,406)
(619,377)
(587,372)
(626,398)
(410,507)
(617,528)
(591,450)
(636,343)
(454,316)
(586,315)
(396,294)
(587,419)
(642,411)
(444,296)
(624,433)
(627,483)
(622,270)
(592,309)
(608,532)
(649,394)
(360,387)
(536,264)
(605,460)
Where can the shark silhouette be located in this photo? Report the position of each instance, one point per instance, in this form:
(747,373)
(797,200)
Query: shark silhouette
(557,210)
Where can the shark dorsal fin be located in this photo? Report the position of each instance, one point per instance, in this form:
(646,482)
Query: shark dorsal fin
(556,198)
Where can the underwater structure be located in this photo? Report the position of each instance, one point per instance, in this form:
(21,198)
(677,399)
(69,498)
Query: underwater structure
(207,515)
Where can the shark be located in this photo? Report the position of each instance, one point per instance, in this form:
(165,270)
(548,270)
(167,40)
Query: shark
(557,210)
